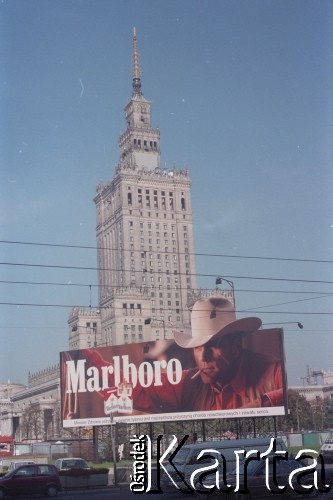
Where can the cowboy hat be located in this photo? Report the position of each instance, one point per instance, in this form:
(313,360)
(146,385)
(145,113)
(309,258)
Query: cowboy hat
(214,318)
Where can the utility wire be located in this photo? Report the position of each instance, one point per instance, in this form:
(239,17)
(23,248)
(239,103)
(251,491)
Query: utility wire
(238,290)
(288,259)
(158,309)
(144,271)
(291,302)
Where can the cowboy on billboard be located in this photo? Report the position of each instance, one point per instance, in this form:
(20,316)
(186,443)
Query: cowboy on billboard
(226,375)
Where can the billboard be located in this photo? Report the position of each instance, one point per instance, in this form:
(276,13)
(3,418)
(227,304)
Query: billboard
(230,377)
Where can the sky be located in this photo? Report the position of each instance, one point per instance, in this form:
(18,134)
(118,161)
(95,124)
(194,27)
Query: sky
(242,94)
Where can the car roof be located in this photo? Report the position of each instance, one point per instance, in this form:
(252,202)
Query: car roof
(34,463)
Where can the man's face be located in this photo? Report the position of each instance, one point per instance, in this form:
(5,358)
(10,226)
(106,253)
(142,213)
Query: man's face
(216,360)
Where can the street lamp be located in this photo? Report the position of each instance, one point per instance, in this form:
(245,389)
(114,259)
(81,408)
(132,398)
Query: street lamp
(300,326)
(219,280)
(148,321)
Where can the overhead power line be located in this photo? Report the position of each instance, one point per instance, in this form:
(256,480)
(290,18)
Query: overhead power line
(158,309)
(238,290)
(144,271)
(198,254)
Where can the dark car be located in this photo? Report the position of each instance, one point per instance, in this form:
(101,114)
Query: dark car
(36,479)
(256,480)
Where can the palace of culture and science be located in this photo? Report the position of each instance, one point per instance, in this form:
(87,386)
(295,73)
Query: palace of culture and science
(145,251)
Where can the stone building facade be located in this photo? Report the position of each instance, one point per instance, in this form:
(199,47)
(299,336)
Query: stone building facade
(32,413)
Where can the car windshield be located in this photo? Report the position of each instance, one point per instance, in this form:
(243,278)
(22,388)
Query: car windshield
(258,466)
(181,456)
(70,464)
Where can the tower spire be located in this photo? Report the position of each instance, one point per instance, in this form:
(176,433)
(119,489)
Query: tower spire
(136,67)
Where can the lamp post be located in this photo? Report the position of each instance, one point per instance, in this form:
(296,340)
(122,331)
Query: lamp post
(148,321)
(219,280)
(162,321)
(300,326)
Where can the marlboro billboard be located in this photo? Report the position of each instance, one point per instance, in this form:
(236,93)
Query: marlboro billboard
(233,371)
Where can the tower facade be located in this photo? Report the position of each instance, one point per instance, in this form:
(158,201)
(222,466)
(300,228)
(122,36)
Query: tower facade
(145,249)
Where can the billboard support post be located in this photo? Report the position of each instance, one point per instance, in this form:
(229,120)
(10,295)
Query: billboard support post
(113,440)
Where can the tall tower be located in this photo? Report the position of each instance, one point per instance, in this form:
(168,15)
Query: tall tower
(146,267)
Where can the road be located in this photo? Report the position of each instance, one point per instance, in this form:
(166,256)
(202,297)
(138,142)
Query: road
(123,493)
(126,494)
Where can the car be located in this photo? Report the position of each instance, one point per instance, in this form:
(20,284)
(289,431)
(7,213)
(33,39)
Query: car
(71,463)
(33,478)
(326,449)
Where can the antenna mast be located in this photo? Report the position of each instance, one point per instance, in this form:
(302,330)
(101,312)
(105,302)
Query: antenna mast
(136,66)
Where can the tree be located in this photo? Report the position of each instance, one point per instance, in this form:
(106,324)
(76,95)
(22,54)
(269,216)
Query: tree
(32,422)
(300,414)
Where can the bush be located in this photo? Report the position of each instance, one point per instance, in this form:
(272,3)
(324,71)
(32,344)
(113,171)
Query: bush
(99,470)
(74,472)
